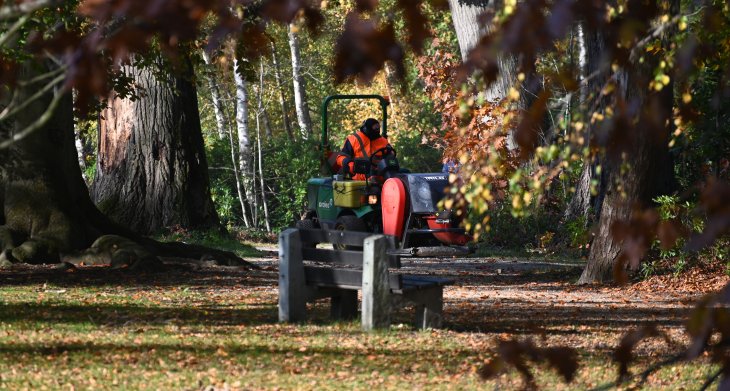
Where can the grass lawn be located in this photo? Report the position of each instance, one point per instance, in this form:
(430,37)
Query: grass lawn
(187,329)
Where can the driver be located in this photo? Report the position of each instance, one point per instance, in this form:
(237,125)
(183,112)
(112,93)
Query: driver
(361,144)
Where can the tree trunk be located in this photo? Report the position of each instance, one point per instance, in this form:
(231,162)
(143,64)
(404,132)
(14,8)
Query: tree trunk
(469,29)
(45,209)
(300,89)
(261,117)
(218,106)
(580,203)
(245,158)
(237,174)
(282,96)
(151,169)
(79,144)
(591,47)
(650,171)
(466,15)
(390,81)
(44,199)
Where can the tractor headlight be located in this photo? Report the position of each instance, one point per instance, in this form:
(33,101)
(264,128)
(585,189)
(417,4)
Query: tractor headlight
(372,199)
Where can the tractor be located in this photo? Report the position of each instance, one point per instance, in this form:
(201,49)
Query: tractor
(391,200)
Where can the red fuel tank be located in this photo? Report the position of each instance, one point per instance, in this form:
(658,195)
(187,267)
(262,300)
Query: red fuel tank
(394,203)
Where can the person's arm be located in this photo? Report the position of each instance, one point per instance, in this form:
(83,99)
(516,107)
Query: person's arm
(344,158)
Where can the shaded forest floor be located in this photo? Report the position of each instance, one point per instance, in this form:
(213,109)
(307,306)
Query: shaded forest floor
(195,328)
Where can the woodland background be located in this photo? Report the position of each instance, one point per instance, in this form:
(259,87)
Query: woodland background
(596,130)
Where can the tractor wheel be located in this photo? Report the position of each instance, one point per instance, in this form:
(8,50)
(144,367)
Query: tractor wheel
(349,223)
(306,224)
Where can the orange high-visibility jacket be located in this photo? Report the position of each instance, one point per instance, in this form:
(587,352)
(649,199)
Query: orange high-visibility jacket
(358,145)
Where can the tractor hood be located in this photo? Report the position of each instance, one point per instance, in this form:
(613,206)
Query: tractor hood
(425,190)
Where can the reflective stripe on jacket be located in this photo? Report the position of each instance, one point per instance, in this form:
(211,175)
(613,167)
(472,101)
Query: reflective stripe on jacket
(353,149)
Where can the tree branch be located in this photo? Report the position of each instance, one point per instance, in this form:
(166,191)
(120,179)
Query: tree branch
(37,124)
(14,10)
(711,380)
(642,375)
(7,113)
(5,37)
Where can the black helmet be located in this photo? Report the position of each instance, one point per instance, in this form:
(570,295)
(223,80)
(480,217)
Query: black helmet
(371,127)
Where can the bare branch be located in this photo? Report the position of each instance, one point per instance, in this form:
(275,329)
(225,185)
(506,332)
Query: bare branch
(7,113)
(37,124)
(644,374)
(711,380)
(5,37)
(14,10)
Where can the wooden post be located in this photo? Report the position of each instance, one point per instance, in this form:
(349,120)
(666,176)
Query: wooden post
(292,288)
(375,286)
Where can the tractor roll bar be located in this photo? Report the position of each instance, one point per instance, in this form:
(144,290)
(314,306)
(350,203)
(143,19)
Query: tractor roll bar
(384,102)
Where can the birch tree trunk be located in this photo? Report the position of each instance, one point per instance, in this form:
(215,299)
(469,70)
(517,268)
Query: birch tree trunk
(151,169)
(237,174)
(282,96)
(244,143)
(81,156)
(218,105)
(255,207)
(300,89)
(590,49)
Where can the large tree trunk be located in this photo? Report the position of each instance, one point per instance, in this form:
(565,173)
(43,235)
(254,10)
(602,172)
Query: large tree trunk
(300,88)
(45,202)
(469,29)
(282,96)
(151,170)
(218,105)
(650,171)
(45,209)
(245,156)
(467,18)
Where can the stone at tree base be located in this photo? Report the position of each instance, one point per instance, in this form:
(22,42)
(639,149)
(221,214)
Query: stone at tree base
(5,259)
(36,251)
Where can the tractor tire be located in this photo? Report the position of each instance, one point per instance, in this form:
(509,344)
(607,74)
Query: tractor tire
(349,223)
(306,224)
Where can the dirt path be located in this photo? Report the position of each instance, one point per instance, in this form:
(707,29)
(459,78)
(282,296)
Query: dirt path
(529,297)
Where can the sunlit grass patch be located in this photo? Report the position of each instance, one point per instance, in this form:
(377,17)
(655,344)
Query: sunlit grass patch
(109,330)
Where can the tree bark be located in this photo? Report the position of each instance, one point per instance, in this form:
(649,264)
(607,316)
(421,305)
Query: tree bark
(469,30)
(282,96)
(245,157)
(151,169)
(591,48)
(650,170)
(46,212)
(300,88)
(44,197)
(218,106)
(261,117)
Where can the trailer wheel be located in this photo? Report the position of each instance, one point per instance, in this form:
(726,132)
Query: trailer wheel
(349,223)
